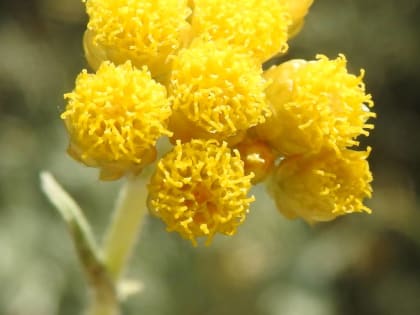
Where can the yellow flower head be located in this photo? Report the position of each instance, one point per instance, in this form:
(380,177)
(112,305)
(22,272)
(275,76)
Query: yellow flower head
(315,104)
(297,10)
(323,186)
(259,27)
(199,189)
(215,90)
(145,32)
(114,118)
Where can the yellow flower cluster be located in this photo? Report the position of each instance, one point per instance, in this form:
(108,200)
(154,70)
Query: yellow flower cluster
(258,27)
(199,188)
(114,118)
(318,103)
(319,111)
(211,92)
(145,32)
(192,70)
(322,186)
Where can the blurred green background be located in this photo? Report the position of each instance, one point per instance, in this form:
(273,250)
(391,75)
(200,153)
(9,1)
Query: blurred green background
(359,264)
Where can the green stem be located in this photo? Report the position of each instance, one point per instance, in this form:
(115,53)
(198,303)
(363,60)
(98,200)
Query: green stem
(125,226)
(103,302)
(103,271)
(104,299)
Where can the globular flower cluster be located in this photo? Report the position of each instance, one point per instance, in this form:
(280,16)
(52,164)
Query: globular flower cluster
(145,32)
(211,92)
(192,70)
(257,27)
(319,111)
(114,118)
(194,195)
(322,186)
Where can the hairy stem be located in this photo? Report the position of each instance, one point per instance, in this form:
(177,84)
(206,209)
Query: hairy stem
(125,226)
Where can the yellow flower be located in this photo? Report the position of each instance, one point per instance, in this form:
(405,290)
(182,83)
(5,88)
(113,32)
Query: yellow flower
(315,104)
(259,27)
(297,10)
(114,118)
(145,32)
(216,92)
(323,186)
(199,189)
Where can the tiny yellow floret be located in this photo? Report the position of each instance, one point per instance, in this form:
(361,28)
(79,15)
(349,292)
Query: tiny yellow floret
(259,27)
(315,104)
(215,89)
(145,32)
(114,118)
(258,158)
(323,186)
(200,189)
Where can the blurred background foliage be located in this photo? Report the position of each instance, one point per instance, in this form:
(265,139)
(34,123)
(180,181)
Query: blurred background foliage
(359,264)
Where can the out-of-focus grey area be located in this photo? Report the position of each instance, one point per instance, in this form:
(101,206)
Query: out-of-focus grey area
(358,264)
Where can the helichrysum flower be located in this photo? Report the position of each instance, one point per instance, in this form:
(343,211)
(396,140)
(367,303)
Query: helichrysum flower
(258,26)
(315,104)
(322,186)
(145,32)
(200,189)
(114,118)
(216,92)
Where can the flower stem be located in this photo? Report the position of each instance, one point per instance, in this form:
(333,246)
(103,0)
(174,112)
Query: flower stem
(125,226)
(103,300)
(103,269)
